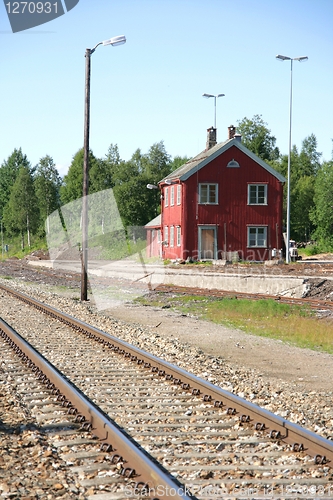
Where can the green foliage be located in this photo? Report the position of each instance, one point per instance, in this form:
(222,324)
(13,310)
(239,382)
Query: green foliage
(47,184)
(117,247)
(15,249)
(322,211)
(73,182)
(102,172)
(304,167)
(178,161)
(8,173)
(137,204)
(21,212)
(256,137)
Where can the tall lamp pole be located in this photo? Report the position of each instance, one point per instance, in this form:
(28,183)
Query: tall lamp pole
(215,97)
(291,59)
(117,40)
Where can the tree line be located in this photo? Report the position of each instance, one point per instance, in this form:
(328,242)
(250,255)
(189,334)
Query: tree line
(29,194)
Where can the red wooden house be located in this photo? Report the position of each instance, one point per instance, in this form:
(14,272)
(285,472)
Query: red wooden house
(225,203)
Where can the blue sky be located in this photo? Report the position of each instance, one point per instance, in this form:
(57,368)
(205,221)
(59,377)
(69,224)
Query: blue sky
(150,89)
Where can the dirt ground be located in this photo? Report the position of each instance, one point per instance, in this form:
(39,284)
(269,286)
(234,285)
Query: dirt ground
(307,370)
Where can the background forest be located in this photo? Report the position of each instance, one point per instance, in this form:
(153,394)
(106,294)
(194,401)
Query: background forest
(29,194)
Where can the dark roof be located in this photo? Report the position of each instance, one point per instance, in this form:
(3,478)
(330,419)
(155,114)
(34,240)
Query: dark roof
(202,159)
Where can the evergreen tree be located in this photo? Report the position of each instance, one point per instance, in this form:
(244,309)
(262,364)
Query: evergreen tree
(8,173)
(72,186)
(47,184)
(103,171)
(21,213)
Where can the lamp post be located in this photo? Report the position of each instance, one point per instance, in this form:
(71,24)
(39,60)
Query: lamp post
(215,97)
(291,59)
(117,40)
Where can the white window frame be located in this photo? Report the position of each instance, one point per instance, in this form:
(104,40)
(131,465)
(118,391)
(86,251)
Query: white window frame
(166,235)
(179,194)
(158,236)
(179,236)
(166,197)
(253,233)
(209,185)
(256,194)
(172,236)
(172,196)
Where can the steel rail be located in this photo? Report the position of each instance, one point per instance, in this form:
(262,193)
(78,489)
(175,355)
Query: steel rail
(113,438)
(279,429)
(315,303)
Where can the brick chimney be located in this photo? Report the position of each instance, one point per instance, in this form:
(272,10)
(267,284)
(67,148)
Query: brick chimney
(231,132)
(211,138)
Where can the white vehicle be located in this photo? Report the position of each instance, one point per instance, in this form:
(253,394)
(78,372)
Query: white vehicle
(293,252)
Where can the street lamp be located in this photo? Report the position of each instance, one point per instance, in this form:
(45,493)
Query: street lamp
(215,97)
(291,59)
(117,40)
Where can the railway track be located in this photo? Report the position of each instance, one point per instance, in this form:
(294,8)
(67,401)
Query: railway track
(309,302)
(209,442)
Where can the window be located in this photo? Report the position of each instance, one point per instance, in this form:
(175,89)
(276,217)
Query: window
(233,164)
(257,194)
(179,194)
(172,236)
(257,236)
(166,197)
(208,193)
(158,236)
(166,235)
(178,236)
(172,196)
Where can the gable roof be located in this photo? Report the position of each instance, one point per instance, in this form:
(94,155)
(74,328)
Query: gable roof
(202,159)
(156,222)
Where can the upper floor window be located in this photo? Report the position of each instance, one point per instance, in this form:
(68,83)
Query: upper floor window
(172,196)
(257,236)
(166,197)
(179,194)
(257,194)
(208,193)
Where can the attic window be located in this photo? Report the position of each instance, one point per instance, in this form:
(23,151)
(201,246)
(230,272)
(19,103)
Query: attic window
(233,164)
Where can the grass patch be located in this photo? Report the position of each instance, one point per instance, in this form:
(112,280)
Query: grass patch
(293,324)
(14,246)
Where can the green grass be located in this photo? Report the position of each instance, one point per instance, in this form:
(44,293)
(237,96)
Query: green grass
(116,246)
(15,246)
(293,324)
